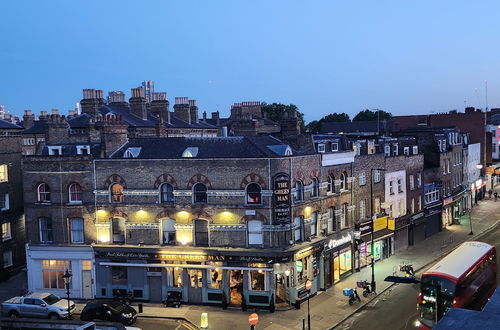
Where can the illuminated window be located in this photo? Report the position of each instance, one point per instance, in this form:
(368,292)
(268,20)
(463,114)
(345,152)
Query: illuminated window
(43,193)
(4,175)
(168,230)
(255,234)
(52,272)
(116,193)
(254,194)
(6,233)
(257,280)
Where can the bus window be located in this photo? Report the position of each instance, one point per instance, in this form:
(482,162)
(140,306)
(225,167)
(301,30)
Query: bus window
(427,307)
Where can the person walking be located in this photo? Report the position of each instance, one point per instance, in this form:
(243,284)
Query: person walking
(496,195)
(490,192)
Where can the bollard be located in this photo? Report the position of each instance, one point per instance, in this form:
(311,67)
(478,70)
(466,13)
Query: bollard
(140,308)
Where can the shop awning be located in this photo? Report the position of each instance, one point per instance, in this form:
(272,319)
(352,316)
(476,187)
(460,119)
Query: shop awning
(377,235)
(125,264)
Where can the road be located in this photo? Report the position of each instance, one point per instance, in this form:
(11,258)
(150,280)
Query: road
(161,324)
(396,308)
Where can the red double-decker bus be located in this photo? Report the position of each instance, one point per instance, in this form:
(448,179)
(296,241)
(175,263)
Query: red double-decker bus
(465,278)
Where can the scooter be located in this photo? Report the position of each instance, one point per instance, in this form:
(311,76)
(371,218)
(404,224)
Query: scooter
(352,294)
(365,286)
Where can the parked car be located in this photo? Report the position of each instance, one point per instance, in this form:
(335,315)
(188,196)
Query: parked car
(38,304)
(113,311)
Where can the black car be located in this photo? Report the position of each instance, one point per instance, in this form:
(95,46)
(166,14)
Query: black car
(113,311)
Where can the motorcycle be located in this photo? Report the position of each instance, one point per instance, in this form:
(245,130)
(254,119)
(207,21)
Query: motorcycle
(124,297)
(365,286)
(352,294)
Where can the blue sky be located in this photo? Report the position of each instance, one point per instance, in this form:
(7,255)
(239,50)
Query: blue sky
(324,56)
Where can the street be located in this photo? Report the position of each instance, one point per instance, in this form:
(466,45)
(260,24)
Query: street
(161,324)
(396,308)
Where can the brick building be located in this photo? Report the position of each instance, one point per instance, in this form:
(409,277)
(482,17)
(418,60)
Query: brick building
(11,201)
(236,220)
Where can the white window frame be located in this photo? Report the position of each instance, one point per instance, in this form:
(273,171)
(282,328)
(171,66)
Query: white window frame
(299,191)
(314,224)
(77,234)
(395,150)
(362,179)
(4,202)
(321,147)
(44,193)
(255,232)
(331,184)
(387,150)
(70,197)
(419,179)
(412,181)
(80,149)
(298,232)
(49,231)
(168,226)
(406,151)
(55,150)
(362,209)
(400,185)
(377,176)
(335,146)
(6,231)
(391,187)
(415,150)
(7,259)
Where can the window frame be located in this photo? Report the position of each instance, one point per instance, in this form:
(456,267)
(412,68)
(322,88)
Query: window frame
(4,173)
(79,231)
(255,234)
(331,183)
(163,193)
(299,191)
(10,259)
(45,224)
(362,178)
(77,193)
(315,187)
(259,192)
(321,147)
(119,195)
(163,231)
(43,196)
(197,194)
(6,231)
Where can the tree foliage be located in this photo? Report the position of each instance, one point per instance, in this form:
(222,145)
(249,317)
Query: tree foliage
(315,126)
(276,112)
(369,115)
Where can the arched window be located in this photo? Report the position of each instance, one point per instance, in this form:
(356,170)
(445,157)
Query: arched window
(75,192)
(116,193)
(199,193)
(331,184)
(315,188)
(254,194)
(168,229)
(201,232)
(343,181)
(166,193)
(43,193)
(299,191)
(255,234)
(118,229)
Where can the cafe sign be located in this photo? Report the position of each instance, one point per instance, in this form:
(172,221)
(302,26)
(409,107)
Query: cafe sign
(281,197)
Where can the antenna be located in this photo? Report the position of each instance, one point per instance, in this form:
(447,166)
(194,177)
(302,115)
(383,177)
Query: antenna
(486,91)
(477,95)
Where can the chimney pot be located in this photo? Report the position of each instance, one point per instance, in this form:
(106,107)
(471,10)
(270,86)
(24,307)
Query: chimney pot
(28,112)
(55,111)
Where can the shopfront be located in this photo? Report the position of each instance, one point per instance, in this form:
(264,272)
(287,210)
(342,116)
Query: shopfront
(433,218)
(383,241)
(400,227)
(338,258)
(203,276)
(416,228)
(452,207)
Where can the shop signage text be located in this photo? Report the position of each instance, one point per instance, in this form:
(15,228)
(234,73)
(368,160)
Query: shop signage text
(333,243)
(378,224)
(281,194)
(307,252)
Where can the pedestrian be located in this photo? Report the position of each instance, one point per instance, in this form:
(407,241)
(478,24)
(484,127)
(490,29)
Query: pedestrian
(490,192)
(496,195)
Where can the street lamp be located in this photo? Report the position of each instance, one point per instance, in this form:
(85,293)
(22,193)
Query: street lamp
(67,280)
(373,284)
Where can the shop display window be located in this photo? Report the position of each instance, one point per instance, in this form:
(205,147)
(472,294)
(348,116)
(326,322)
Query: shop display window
(214,278)
(119,275)
(195,278)
(177,277)
(52,272)
(257,280)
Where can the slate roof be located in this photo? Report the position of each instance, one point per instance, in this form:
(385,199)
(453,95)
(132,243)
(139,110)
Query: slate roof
(495,119)
(356,126)
(208,147)
(5,124)
(39,127)
(69,149)
(131,119)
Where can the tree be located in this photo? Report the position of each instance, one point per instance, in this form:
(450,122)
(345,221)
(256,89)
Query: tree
(368,115)
(315,126)
(276,112)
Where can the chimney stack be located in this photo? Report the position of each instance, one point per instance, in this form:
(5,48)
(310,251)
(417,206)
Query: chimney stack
(28,119)
(193,110)
(215,115)
(113,133)
(117,98)
(43,115)
(182,110)
(57,128)
(138,103)
(160,106)
(90,103)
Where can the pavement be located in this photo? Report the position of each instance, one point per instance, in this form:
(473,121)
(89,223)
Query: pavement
(328,308)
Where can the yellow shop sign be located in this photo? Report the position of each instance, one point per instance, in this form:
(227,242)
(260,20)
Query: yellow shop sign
(380,223)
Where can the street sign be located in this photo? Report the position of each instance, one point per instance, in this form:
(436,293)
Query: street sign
(308,285)
(253,319)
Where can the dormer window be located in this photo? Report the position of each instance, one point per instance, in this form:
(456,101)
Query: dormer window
(321,147)
(394,149)
(83,150)
(132,152)
(288,151)
(415,150)
(190,152)
(387,150)
(335,146)
(406,151)
(55,150)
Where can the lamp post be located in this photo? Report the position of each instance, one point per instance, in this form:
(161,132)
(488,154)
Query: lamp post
(67,280)
(373,215)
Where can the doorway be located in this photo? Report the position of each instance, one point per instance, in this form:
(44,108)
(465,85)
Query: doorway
(282,282)
(195,285)
(154,288)
(87,284)
(235,287)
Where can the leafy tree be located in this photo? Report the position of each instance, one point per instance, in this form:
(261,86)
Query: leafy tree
(315,126)
(368,115)
(276,112)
